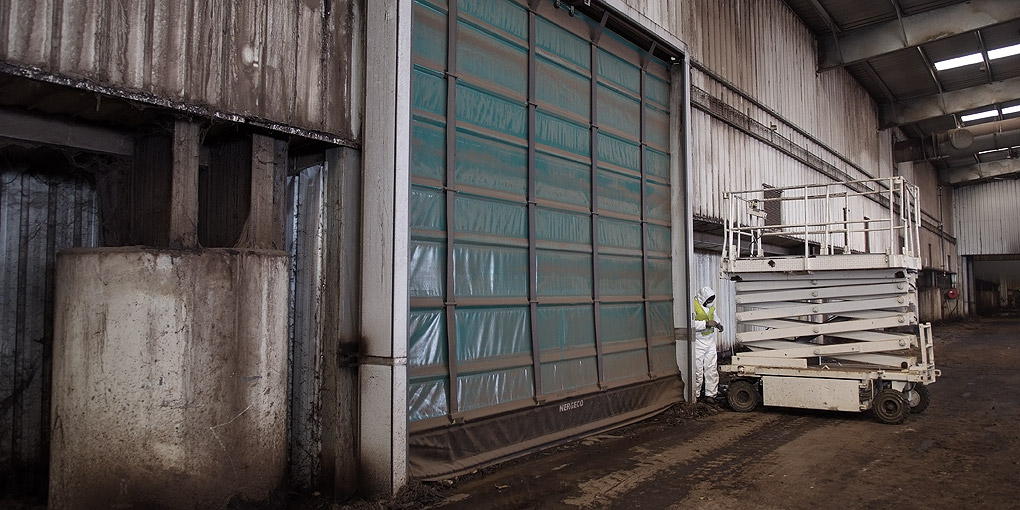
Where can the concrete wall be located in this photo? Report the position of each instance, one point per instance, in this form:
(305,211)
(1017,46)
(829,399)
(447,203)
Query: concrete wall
(169,377)
(934,306)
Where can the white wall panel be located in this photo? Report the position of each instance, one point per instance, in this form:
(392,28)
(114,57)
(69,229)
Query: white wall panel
(987,218)
(705,271)
(762,49)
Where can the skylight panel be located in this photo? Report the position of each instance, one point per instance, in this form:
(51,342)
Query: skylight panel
(973,58)
(979,115)
(1004,52)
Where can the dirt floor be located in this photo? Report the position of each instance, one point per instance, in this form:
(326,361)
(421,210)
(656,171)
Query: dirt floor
(963,452)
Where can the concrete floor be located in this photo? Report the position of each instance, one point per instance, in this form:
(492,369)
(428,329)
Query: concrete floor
(963,452)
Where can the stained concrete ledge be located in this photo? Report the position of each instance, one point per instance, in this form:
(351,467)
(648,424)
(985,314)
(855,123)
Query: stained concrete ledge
(169,378)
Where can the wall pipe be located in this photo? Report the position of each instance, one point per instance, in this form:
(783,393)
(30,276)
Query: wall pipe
(960,142)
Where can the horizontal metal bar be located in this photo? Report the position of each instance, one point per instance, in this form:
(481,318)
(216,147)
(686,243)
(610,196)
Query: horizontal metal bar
(742,359)
(772,285)
(806,351)
(850,274)
(878,359)
(875,336)
(824,293)
(840,307)
(913,373)
(791,329)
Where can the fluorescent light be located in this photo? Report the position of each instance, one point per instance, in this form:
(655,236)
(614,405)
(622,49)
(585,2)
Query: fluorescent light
(1011,109)
(974,58)
(1004,52)
(979,115)
(993,150)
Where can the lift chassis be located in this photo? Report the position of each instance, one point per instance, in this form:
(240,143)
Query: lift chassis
(834,327)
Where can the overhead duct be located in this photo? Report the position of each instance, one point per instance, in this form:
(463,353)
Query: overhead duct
(960,142)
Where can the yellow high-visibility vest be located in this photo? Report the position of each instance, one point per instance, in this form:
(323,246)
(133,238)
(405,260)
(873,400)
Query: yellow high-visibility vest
(701,315)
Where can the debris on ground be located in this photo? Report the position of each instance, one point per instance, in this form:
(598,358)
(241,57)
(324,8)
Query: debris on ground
(684,411)
(414,496)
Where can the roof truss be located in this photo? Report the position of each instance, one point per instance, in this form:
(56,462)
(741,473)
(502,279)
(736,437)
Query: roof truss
(948,103)
(909,31)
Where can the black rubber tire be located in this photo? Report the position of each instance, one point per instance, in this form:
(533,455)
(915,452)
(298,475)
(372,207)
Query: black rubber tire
(890,406)
(743,396)
(918,398)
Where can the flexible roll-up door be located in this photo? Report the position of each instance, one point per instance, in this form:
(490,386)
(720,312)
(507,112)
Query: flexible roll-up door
(540,276)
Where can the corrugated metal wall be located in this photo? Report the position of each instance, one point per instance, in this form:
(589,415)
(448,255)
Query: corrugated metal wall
(936,252)
(39,216)
(763,48)
(705,271)
(986,218)
(296,63)
(763,115)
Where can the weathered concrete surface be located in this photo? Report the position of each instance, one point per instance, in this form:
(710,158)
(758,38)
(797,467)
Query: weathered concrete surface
(169,378)
(960,453)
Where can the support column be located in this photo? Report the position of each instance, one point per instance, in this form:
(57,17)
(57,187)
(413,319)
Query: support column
(682,232)
(184,186)
(382,429)
(264,228)
(340,332)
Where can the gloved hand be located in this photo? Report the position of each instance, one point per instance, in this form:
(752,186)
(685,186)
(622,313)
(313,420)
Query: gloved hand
(714,325)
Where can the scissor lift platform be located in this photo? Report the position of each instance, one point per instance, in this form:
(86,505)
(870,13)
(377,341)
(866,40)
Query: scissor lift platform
(835,328)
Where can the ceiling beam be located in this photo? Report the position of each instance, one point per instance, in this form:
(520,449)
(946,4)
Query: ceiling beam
(936,105)
(954,147)
(980,171)
(873,40)
(44,129)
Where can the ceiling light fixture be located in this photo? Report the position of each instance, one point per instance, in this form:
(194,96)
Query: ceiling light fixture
(1011,109)
(979,115)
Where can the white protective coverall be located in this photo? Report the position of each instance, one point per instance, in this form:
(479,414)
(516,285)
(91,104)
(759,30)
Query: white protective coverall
(705,357)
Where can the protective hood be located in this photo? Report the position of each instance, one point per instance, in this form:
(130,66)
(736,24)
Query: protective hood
(703,295)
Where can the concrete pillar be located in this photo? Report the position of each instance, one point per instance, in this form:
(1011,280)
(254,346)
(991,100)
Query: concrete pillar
(386,161)
(169,378)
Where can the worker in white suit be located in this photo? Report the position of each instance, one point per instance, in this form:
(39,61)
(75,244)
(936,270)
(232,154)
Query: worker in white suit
(706,325)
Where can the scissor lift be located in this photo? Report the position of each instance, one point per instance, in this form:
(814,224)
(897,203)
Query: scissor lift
(835,327)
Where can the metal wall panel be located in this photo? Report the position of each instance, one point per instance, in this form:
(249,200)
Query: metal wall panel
(706,271)
(986,218)
(39,216)
(295,63)
(306,195)
(763,50)
(936,252)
